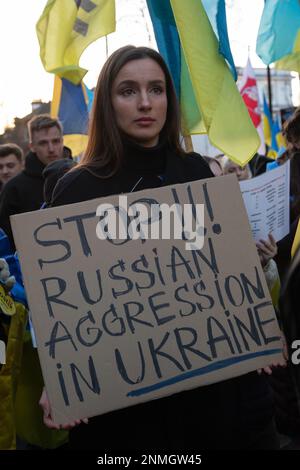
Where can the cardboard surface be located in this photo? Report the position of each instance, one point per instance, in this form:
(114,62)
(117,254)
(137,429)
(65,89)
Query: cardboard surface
(121,324)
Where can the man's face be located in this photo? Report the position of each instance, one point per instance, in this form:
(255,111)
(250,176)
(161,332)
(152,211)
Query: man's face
(10,166)
(47,144)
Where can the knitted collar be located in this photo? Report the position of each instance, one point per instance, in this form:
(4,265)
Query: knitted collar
(145,160)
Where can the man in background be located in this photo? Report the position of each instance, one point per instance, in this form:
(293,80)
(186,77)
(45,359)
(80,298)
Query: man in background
(24,192)
(11,162)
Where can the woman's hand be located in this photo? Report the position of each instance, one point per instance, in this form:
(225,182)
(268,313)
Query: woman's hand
(267,249)
(47,415)
(281,363)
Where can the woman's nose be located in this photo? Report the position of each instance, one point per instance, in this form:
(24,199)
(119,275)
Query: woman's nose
(144,102)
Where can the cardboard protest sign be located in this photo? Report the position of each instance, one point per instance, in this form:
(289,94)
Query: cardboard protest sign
(267,201)
(122,322)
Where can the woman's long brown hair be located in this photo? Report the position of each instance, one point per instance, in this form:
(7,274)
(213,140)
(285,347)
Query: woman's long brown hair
(105,149)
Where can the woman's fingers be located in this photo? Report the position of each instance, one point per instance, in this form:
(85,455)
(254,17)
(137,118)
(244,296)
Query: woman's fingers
(266,247)
(74,423)
(48,421)
(272,239)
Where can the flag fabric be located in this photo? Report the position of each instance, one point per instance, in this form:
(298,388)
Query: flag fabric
(169,46)
(272,131)
(267,122)
(278,36)
(216,12)
(167,38)
(279,138)
(249,92)
(71,104)
(66,28)
(290,62)
(296,241)
(225,116)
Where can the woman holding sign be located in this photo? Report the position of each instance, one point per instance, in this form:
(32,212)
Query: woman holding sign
(134,145)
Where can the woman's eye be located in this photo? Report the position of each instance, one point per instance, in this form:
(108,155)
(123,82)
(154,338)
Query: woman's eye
(156,90)
(127,92)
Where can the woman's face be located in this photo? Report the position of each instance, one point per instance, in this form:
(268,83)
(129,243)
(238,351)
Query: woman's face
(139,101)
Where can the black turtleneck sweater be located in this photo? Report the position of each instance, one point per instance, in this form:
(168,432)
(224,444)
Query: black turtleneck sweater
(226,415)
(142,168)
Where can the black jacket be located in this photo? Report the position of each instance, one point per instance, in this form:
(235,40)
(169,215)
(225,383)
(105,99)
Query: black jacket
(23,193)
(290,312)
(80,185)
(226,415)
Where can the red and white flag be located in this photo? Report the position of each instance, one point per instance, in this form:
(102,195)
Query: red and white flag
(249,91)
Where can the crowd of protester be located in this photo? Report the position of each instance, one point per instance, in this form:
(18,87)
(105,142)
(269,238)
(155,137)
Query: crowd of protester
(134,144)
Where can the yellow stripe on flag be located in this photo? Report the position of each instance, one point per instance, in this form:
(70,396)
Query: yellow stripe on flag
(225,116)
(66,28)
(56,97)
(296,241)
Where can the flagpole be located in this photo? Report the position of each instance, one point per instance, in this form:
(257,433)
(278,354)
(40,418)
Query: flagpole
(270,90)
(188,143)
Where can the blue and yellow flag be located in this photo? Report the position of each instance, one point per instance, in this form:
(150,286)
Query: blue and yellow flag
(224,115)
(278,37)
(279,138)
(71,104)
(216,12)
(169,46)
(267,122)
(209,99)
(66,28)
(272,132)
(168,43)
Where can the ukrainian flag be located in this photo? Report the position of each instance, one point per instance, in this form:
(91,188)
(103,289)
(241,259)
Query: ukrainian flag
(66,28)
(272,132)
(278,37)
(168,43)
(71,104)
(210,100)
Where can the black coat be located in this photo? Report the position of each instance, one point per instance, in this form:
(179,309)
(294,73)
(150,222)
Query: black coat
(226,415)
(80,185)
(24,192)
(290,312)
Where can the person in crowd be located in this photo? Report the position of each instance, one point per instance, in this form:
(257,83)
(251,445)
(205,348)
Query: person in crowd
(287,388)
(215,165)
(258,164)
(275,259)
(24,192)
(134,145)
(12,326)
(21,425)
(51,174)
(289,305)
(242,172)
(286,398)
(11,162)
(267,249)
(291,131)
(21,380)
